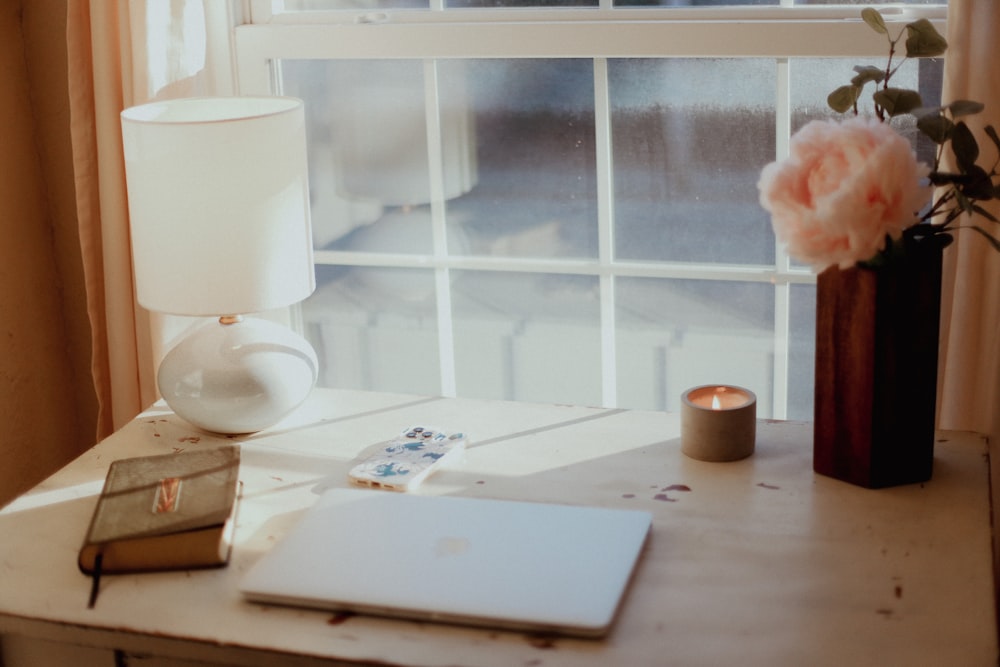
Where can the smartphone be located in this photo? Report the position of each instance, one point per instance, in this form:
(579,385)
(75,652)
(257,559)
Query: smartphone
(402,463)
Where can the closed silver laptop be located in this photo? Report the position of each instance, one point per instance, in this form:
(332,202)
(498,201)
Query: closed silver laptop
(530,566)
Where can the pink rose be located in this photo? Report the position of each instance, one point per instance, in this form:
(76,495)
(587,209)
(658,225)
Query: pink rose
(844,187)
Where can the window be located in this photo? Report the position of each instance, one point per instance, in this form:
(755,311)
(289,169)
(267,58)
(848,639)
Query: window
(513,200)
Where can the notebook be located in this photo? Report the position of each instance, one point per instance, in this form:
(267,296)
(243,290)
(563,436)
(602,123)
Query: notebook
(497,563)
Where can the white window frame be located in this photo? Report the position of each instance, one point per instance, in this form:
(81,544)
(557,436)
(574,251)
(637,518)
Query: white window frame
(778,33)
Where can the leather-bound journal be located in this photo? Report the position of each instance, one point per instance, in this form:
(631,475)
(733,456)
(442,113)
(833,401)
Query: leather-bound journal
(165,512)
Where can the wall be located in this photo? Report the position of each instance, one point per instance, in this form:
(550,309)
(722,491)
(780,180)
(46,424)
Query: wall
(47,404)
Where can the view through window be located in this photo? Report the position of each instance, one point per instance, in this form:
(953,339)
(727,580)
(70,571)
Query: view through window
(564,229)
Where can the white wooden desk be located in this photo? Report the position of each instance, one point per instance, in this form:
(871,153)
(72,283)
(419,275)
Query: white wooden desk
(757,562)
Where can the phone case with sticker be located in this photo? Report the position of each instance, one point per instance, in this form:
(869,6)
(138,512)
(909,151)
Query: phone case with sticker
(406,460)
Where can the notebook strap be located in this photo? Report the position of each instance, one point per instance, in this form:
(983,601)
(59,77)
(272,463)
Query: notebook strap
(95,581)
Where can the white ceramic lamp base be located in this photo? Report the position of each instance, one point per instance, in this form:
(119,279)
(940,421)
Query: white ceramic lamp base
(238,378)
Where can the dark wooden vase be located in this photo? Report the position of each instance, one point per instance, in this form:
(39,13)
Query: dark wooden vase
(876,369)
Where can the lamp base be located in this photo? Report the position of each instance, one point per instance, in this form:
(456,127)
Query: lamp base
(238,376)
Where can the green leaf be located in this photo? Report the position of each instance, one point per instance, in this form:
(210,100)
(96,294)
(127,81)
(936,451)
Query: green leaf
(965,147)
(923,40)
(936,127)
(960,108)
(897,101)
(867,73)
(874,19)
(843,99)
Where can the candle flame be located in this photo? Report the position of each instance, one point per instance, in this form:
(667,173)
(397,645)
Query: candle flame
(716,405)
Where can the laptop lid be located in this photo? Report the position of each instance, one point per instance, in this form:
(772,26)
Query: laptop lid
(498,563)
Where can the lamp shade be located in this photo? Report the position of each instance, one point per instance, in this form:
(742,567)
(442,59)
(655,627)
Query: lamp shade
(219,204)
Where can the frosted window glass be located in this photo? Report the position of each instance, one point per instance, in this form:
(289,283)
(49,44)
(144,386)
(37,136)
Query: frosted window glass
(801,351)
(519,181)
(527,336)
(368,151)
(689,139)
(812,79)
(535,194)
(375,329)
(677,334)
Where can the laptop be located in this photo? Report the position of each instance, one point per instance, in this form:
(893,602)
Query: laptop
(497,563)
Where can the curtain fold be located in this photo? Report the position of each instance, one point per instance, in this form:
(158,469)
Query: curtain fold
(122,53)
(98,51)
(970,377)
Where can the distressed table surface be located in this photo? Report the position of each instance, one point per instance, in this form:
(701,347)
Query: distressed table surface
(755,562)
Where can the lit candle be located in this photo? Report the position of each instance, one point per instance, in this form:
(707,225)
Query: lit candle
(718,423)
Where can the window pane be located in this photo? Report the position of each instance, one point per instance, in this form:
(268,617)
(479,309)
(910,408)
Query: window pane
(375,329)
(368,152)
(801,351)
(534,145)
(678,334)
(689,139)
(527,336)
(812,79)
(517,151)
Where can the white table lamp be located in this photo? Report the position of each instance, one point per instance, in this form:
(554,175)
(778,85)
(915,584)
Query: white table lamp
(219,208)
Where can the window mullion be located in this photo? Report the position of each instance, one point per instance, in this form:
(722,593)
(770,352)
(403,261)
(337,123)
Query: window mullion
(442,274)
(782,289)
(782,327)
(782,134)
(605,226)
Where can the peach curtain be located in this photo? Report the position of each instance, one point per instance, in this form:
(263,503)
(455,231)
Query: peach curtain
(122,53)
(99,88)
(970,377)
